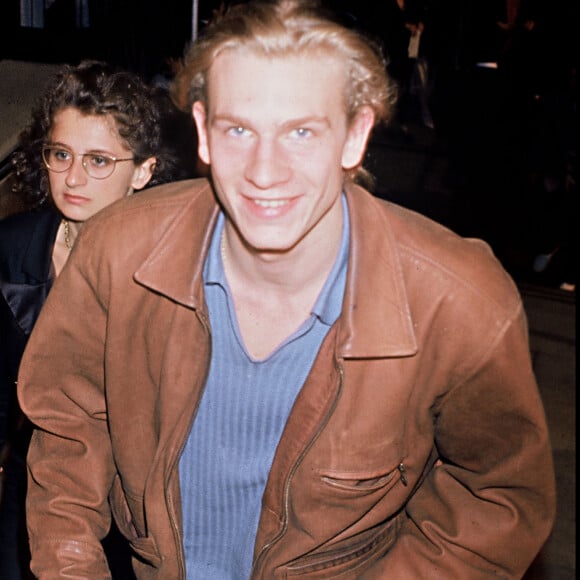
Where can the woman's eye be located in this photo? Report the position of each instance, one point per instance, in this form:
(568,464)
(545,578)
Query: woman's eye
(61,154)
(99,160)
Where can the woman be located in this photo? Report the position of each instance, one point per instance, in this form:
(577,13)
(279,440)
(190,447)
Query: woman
(94,138)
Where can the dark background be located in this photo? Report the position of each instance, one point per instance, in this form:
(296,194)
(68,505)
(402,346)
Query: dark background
(501,161)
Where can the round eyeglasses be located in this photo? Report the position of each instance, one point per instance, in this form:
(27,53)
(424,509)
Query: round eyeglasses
(97,165)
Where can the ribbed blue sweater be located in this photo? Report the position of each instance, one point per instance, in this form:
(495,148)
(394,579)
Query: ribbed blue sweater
(244,408)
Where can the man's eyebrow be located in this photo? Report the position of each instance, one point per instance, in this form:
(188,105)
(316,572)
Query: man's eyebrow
(309,120)
(224,118)
(290,123)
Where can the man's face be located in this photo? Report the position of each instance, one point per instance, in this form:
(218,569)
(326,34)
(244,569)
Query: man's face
(277,139)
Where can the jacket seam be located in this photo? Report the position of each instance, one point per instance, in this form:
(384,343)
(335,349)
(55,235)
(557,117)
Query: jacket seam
(486,353)
(413,251)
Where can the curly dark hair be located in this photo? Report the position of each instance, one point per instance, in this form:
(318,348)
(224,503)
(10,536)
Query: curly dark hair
(94,88)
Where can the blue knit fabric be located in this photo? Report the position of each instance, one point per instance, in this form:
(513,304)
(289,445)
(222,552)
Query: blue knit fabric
(225,464)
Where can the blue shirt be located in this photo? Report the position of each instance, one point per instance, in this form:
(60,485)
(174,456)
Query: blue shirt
(227,458)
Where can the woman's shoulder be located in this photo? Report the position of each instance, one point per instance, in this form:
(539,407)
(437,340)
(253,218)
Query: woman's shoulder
(18,229)
(21,224)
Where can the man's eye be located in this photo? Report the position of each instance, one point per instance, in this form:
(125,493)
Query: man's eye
(302,132)
(237,131)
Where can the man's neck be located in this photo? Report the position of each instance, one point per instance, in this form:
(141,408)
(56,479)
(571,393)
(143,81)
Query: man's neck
(290,271)
(274,292)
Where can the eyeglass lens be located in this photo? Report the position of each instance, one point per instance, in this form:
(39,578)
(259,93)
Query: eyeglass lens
(97,165)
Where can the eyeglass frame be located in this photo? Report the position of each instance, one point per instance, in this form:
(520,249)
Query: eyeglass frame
(73,155)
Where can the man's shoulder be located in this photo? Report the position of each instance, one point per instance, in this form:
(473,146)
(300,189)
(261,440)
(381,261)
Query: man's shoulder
(462,265)
(416,232)
(174,190)
(159,204)
(434,256)
(164,197)
(169,215)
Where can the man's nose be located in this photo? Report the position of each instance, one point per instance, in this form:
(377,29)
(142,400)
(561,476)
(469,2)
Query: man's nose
(268,164)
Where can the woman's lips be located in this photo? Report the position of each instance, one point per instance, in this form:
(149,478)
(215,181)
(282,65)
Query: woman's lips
(76,199)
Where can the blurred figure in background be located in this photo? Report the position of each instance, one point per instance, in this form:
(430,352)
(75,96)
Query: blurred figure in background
(409,40)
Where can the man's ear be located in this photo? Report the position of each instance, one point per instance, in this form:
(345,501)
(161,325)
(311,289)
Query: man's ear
(357,138)
(199,114)
(143,173)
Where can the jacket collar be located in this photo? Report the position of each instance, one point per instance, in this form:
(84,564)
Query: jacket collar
(376,320)
(174,268)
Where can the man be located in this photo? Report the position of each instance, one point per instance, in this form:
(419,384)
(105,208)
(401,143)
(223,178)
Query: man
(278,374)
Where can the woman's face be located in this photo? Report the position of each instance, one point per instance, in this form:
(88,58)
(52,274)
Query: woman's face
(76,193)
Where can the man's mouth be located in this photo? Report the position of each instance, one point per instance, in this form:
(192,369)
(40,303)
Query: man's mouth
(271,203)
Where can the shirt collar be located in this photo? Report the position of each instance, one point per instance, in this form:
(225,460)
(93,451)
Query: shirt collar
(329,302)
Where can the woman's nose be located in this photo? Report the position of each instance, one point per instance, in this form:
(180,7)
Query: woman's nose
(76,174)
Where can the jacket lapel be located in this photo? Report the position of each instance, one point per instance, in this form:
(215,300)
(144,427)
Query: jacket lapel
(174,268)
(376,319)
(26,291)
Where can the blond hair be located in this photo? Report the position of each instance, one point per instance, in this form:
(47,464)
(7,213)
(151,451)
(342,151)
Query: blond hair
(289,27)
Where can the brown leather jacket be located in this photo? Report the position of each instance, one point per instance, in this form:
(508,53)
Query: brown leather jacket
(417,448)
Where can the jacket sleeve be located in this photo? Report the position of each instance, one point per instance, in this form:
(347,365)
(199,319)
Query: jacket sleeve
(488,504)
(60,388)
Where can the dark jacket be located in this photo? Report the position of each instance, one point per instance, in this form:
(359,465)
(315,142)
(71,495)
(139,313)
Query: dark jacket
(26,244)
(417,447)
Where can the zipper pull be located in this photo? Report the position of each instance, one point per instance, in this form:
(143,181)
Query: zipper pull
(403,475)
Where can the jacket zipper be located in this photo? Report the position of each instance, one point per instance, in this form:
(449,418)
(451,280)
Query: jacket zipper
(403,474)
(172,469)
(261,556)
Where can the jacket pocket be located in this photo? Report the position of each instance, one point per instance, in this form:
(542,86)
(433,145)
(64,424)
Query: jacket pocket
(360,483)
(124,506)
(145,552)
(351,557)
